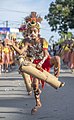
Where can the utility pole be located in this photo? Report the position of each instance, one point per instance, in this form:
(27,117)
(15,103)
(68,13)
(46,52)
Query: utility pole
(6,23)
(7,33)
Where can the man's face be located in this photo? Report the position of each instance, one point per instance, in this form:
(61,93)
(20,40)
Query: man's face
(33,33)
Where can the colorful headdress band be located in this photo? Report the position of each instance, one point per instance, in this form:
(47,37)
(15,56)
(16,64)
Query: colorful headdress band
(33,20)
(33,24)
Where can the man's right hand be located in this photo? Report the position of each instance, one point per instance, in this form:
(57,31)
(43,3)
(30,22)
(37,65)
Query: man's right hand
(9,42)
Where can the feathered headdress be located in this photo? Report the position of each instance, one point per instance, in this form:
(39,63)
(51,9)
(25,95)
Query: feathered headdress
(33,20)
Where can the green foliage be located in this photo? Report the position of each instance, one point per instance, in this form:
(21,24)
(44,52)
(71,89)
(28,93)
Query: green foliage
(60,16)
(65,36)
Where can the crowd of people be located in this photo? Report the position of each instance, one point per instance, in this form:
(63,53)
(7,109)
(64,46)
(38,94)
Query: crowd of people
(66,52)
(7,55)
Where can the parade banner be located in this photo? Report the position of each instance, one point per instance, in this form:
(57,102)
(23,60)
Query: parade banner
(4,29)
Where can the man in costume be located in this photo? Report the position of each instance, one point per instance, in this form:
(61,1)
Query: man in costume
(35,60)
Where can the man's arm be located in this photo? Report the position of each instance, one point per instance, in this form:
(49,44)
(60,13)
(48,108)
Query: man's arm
(46,54)
(45,51)
(19,51)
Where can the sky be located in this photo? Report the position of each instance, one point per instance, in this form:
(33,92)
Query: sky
(14,11)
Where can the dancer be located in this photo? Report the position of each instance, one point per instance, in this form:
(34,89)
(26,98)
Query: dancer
(37,61)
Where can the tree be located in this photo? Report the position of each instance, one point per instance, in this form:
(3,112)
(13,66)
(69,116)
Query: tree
(51,39)
(65,36)
(61,15)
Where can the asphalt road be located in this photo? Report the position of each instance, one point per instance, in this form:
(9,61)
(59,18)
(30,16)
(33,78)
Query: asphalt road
(15,104)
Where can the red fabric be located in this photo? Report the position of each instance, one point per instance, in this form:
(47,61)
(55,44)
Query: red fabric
(46,66)
(45,48)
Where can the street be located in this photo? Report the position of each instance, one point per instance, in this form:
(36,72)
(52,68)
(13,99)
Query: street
(15,104)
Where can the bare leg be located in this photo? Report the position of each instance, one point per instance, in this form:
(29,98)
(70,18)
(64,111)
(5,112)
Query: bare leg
(37,92)
(27,79)
(28,83)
